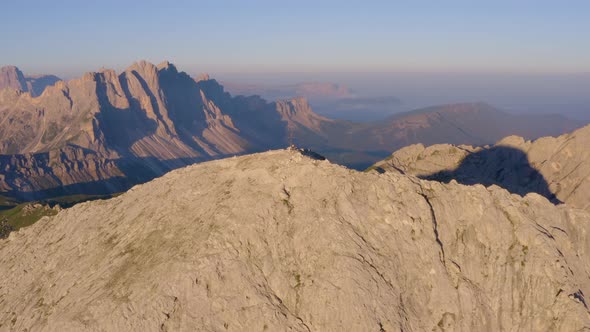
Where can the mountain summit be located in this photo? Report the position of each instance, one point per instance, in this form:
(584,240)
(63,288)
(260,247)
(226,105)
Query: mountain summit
(279,241)
(12,78)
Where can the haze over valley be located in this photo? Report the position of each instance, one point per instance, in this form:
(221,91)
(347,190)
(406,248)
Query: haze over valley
(386,93)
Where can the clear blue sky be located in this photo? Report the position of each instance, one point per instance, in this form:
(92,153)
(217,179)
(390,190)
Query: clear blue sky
(68,37)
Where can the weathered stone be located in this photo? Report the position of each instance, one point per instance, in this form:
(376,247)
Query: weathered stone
(279,241)
(556,167)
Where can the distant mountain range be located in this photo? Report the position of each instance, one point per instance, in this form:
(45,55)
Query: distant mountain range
(355,144)
(328,99)
(107,131)
(308,90)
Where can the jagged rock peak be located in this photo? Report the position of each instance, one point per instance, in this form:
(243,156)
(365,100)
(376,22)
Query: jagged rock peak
(12,77)
(143,64)
(203,77)
(145,69)
(90,76)
(106,70)
(294,105)
(102,75)
(166,65)
(298,101)
(142,67)
(306,152)
(10,69)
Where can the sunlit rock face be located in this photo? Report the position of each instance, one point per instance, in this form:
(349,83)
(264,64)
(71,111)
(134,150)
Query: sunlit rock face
(12,78)
(106,131)
(281,241)
(555,167)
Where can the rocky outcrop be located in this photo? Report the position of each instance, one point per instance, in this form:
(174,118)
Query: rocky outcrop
(67,171)
(297,113)
(12,78)
(5,229)
(280,241)
(359,145)
(466,123)
(555,167)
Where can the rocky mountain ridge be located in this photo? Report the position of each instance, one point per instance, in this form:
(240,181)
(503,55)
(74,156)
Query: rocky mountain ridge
(556,167)
(107,131)
(11,77)
(99,127)
(280,241)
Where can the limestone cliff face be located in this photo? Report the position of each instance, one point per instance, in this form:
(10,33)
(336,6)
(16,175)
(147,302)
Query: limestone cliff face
(12,78)
(298,114)
(278,241)
(152,116)
(60,172)
(556,167)
(158,118)
(146,111)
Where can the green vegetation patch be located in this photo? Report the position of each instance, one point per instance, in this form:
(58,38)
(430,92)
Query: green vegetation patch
(15,215)
(25,214)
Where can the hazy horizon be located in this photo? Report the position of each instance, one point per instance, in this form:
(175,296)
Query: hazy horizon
(517,93)
(565,94)
(526,56)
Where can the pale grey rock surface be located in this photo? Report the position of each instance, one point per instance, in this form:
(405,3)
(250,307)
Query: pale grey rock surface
(278,241)
(12,78)
(563,163)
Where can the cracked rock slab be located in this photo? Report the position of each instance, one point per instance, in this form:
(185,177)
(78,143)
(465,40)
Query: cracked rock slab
(215,247)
